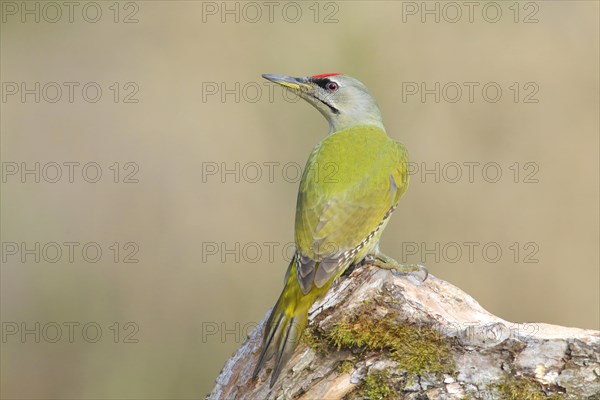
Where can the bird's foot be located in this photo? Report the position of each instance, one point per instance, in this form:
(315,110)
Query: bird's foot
(380,260)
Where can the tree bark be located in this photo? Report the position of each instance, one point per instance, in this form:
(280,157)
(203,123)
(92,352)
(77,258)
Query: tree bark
(377,334)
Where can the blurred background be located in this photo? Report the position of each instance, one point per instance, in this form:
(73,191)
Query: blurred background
(149,175)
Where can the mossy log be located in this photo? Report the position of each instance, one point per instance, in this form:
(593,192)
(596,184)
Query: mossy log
(379,335)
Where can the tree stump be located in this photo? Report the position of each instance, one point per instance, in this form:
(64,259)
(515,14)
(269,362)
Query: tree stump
(379,335)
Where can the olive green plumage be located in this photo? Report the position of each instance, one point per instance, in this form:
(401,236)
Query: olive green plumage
(351,184)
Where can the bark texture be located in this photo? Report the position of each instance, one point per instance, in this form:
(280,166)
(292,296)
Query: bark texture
(381,335)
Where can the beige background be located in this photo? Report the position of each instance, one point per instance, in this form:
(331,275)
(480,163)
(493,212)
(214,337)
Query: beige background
(177,294)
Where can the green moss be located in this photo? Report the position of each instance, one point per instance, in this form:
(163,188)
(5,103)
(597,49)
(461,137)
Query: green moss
(346,367)
(418,350)
(523,388)
(311,339)
(377,386)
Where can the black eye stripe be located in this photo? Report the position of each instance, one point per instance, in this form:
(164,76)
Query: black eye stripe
(322,82)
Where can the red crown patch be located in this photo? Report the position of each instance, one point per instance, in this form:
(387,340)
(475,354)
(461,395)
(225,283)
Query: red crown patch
(325,75)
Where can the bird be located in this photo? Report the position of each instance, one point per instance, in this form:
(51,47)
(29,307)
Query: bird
(351,185)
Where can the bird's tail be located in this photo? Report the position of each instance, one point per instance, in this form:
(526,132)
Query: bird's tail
(285,325)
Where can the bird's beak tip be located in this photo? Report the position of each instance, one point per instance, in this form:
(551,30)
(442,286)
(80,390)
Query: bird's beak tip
(286,81)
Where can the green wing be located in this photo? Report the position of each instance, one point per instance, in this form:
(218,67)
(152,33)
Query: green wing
(352,180)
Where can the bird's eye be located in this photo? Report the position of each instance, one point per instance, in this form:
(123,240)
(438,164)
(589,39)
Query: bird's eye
(331,86)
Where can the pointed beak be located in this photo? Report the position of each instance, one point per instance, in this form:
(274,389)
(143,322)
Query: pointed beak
(289,82)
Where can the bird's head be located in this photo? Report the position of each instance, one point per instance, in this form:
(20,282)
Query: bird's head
(344,101)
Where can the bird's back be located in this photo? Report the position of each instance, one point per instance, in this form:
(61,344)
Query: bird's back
(352,178)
